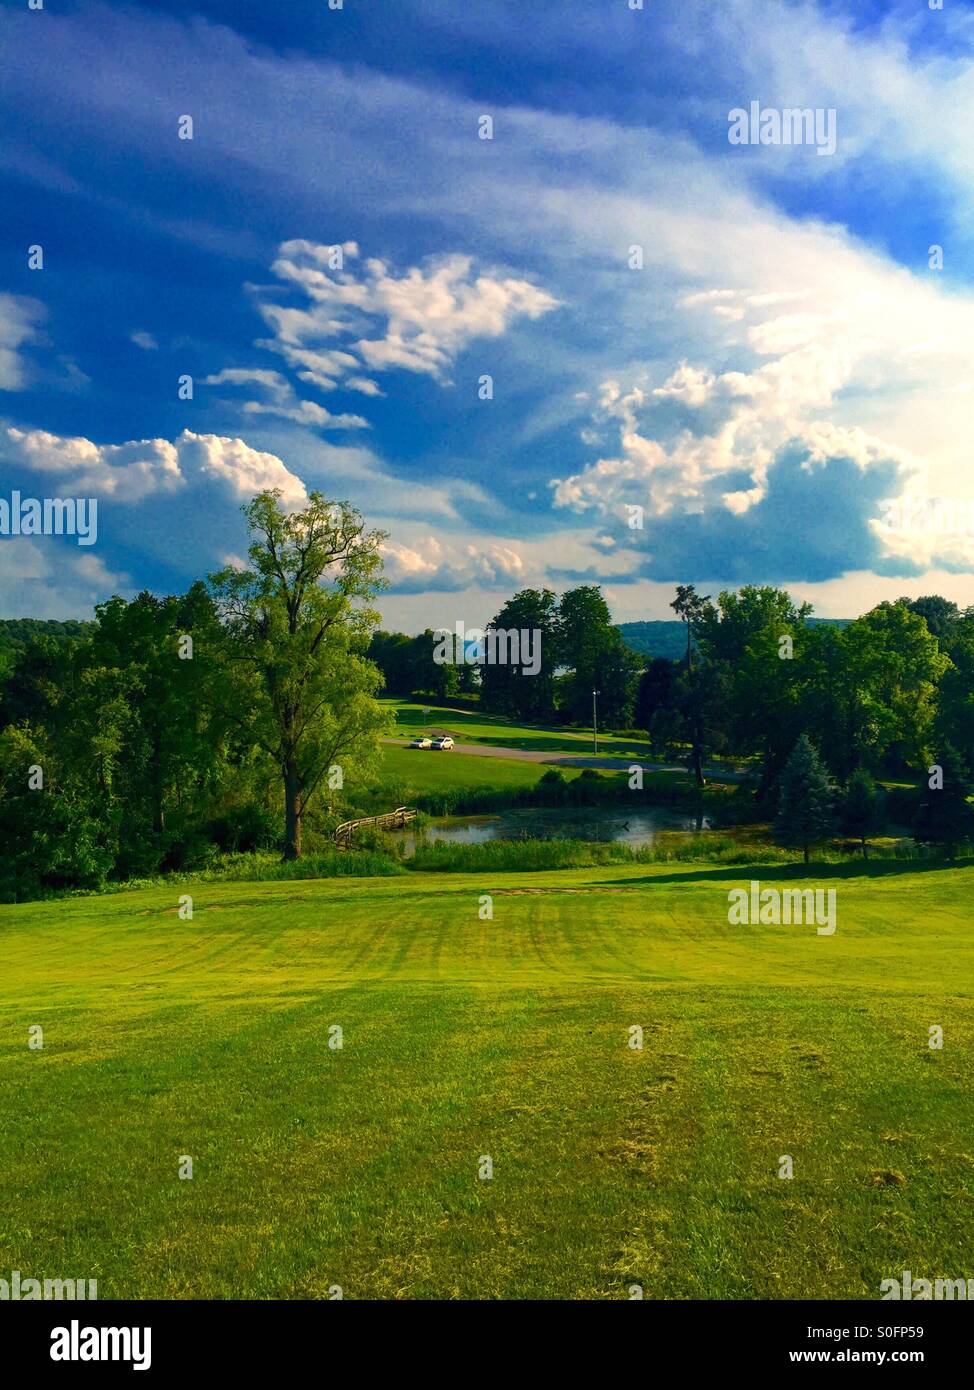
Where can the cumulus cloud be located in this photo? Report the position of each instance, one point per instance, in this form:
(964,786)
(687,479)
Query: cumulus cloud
(799,367)
(435,564)
(417,321)
(925,532)
(77,465)
(171,507)
(456,560)
(148,468)
(688,444)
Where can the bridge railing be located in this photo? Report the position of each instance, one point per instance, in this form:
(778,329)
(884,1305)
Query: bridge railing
(390,820)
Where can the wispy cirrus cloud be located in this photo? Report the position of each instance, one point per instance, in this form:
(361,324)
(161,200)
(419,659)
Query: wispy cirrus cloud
(282,400)
(19,319)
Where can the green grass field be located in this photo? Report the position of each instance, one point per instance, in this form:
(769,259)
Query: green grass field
(475,727)
(411,772)
(464,1037)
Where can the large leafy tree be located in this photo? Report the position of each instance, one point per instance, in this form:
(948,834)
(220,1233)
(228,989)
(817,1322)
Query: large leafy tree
(823,711)
(860,808)
(167,647)
(440,679)
(656,692)
(392,653)
(892,665)
(506,687)
(597,658)
(297,625)
(738,617)
(955,705)
(64,772)
(754,641)
(941,615)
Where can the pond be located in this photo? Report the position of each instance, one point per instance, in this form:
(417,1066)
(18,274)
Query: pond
(556,823)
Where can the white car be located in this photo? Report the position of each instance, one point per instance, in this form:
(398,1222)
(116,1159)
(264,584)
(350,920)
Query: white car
(444,741)
(422,742)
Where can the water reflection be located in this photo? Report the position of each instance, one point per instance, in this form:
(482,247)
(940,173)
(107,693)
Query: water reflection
(556,823)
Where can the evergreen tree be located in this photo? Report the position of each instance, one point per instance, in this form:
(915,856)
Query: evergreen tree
(804,800)
(945,817)
(860,809)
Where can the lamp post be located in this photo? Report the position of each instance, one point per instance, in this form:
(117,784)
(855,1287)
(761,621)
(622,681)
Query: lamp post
(595,722)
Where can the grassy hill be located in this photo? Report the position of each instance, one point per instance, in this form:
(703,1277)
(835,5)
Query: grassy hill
(463,1037)
(476,726)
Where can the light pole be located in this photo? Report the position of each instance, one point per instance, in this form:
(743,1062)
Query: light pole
(595,722)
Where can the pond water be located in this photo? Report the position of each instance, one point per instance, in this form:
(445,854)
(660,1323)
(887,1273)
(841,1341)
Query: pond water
(556,823)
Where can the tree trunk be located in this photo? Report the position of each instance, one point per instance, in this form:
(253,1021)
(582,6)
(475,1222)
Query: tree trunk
(865,850)
(292,814)
(158,792)
(806,854)
(698,766)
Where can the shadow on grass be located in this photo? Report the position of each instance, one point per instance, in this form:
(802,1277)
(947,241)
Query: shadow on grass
(871,868)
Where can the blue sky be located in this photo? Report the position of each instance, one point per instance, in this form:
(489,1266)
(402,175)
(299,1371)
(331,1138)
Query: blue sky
(784,364)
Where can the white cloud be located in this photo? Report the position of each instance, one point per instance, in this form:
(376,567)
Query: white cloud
(782,322)
(437,565)
(872,347)
(142,469)
(128,472)
(283,400)
(418,321)
(19,318)
(39,581)
(416,560)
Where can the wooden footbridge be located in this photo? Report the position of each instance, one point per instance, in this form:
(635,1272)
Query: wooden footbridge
(392,820)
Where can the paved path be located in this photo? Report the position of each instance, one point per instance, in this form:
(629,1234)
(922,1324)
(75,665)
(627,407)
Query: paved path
(530,755)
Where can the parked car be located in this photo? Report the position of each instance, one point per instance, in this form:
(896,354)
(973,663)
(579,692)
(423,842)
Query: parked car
(444,741)
(421,741)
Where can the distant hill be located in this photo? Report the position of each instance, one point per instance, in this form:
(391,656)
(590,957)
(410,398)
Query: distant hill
(16,633)
(664,638)
(667,637)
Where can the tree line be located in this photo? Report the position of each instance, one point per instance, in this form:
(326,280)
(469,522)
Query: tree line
(213,718)
(889,694)
(173,727)
(581,651)
(885,692)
